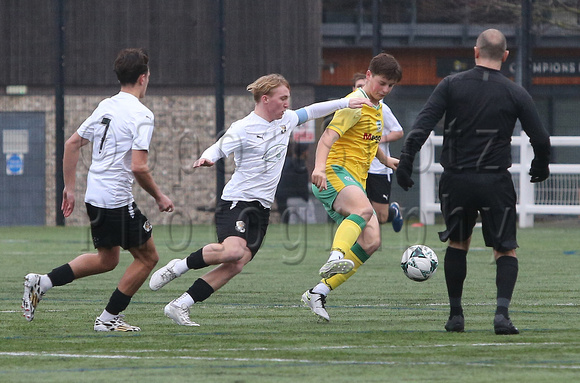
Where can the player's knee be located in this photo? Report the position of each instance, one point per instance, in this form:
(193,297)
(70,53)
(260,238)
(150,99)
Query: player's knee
(147,255)
(105,259)
(233,268)
(372,245)
(108,264)
(366,213)
(237,267)
(233,254)
(382,217)
(151,262)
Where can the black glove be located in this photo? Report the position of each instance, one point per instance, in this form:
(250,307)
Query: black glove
(539,171)
(404,171)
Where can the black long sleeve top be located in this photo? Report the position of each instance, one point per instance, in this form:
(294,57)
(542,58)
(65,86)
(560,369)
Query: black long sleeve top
(481,107)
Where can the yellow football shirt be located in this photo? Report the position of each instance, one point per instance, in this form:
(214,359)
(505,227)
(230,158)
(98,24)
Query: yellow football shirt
(360,131)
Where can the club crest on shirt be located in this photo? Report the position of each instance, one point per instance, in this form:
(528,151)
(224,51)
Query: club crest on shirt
(240,226)
(283,129)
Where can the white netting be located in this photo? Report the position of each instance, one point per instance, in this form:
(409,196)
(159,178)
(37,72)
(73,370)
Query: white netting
(558,195)
(559,189)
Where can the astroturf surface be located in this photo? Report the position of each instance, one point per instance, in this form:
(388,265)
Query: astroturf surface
(384,327)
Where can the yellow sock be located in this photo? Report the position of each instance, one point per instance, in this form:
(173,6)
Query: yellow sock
(347,233)
(355,254)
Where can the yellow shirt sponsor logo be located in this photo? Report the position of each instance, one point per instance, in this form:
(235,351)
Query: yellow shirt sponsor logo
(371,137)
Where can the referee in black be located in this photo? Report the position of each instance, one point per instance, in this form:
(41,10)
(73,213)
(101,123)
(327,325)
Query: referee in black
(481,107)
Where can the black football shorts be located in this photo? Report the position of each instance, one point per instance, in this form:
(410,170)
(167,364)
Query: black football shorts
(247,220)
(124,226)
(464,195)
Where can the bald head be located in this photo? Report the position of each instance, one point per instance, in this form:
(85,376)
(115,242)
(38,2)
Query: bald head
(492,45)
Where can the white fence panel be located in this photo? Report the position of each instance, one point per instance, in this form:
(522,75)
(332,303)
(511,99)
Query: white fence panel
(557,195)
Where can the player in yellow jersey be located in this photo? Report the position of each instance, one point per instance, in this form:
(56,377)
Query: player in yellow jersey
(343,157)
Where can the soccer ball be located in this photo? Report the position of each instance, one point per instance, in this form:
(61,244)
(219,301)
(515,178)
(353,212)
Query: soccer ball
(419,262)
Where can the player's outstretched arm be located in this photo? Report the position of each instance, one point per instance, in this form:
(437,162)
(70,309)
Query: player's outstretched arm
(358,102)
(202,162)
(321,109)
(231,141)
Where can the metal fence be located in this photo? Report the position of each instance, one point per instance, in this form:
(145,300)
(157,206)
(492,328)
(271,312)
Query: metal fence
(559,195)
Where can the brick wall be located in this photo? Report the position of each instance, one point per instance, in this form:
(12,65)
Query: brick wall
(184,127)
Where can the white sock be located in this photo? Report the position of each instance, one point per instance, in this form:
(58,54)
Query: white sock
(45,283)
(186,299)
(180,267)
(335,255)
(107,316)
(321,288)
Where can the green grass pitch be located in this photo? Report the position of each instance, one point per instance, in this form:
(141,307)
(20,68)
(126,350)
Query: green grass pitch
(384,327)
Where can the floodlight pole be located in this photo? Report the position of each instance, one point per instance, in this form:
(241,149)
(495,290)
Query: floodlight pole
(219,95)
(524,77)
(59,110)
(377,44)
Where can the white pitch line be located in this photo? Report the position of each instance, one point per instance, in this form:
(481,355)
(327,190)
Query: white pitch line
(95,356)
(20,311)
(279,360)
(294,349)
(352,347)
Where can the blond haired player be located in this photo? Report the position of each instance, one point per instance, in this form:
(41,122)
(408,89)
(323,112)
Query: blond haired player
(259,143)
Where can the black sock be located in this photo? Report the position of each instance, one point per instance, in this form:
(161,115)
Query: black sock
(505,280)
(200,290)
(61,275)
(195,260)
(118,302)
(455,266)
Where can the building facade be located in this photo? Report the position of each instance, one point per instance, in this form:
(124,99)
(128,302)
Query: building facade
(316,44)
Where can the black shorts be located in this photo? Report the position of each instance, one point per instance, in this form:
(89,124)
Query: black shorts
(247,220)
(463,195)
(379,188)
(124,226)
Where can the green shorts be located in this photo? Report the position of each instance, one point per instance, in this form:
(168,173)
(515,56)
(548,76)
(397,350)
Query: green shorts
(336,180)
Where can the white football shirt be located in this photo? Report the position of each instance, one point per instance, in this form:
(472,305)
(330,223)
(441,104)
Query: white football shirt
(259,149)
(390,124)
(118,125)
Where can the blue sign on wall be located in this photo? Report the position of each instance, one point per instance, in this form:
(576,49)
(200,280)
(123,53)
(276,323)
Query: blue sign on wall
(14,164)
